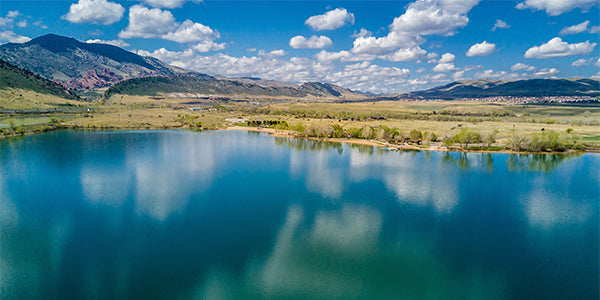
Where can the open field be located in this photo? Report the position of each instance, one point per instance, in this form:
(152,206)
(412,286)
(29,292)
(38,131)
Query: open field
(444,119)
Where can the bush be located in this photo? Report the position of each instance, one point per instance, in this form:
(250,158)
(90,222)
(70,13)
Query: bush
(415,135)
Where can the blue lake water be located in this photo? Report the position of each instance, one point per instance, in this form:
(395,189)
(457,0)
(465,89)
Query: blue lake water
(239,215)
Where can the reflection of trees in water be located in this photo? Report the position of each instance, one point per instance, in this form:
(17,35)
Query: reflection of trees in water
(465,161)
(537,162)
(310,145)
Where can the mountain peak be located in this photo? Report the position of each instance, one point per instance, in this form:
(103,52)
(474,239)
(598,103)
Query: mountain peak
(55,43)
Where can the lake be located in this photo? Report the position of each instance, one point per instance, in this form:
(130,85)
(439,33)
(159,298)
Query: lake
(240,215)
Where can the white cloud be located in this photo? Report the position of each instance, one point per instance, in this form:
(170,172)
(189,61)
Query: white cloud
(557,48)
(362,76)
(11,37)
(460,75)
(580,62)
(597,63)
(167,3)
(575,28)
(9,19)
(447,58)
(500,24)
(594,29)
(427,17)
(546,72)
(444,67)
(421,18)
(278,52)
(490,74)
(207,46)
(13,13)
(40,24)
(520,67)
(481,49)
(189,32)
(407,54)
(118,43)
(155,23)
(314,42)
(384,45)
(22,23)
(332,19)
(362,33)
(94,11)
(445,64)
(148,23)
(556,7)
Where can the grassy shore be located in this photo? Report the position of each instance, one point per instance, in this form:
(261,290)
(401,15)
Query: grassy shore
(388,123)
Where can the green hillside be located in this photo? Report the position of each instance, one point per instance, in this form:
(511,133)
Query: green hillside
(17,78)
(209,85)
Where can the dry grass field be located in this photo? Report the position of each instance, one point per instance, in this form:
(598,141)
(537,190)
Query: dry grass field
(444,118)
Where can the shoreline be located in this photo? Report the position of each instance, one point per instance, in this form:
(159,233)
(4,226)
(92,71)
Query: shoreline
(276,133)
(391,147)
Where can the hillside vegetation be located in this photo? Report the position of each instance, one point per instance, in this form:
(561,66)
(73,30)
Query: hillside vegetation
(16,78)
(519,88)
(208,85)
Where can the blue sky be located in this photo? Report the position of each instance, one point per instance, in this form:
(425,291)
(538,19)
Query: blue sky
(371,46)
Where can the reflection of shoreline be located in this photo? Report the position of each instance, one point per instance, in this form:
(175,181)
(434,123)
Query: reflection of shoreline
(285,133)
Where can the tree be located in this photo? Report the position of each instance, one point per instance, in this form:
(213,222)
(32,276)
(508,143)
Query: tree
(490,138)
(467,136)
(415,135)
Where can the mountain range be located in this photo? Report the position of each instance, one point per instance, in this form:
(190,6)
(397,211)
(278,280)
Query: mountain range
(77,65)
(518,88)
(80,66)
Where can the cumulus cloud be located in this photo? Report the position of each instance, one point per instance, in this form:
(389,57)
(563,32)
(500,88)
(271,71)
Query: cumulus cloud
(332,19)
(148,23)
(207,46)
(189,32)
(155,23)
(447,58)
(490,74)
(522,67)
(167,3)
(11,37)
(314,42)
(481,49)
(94,11)
(597,63)
(362,33)
(9,19)
(546,72)
(118,43)
(277,52)
(427,17)
(575,28)
(557,48)
(500,24)
(363,76)
(594,29)
(421,18)
(445,64)
(580,62)
(556,7)
(444,67)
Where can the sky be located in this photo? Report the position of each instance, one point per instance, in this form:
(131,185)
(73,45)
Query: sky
(369,46)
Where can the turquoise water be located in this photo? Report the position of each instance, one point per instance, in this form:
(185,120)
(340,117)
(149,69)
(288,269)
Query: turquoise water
(218,215)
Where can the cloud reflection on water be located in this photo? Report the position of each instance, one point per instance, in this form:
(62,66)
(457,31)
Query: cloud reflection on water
(341,255)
